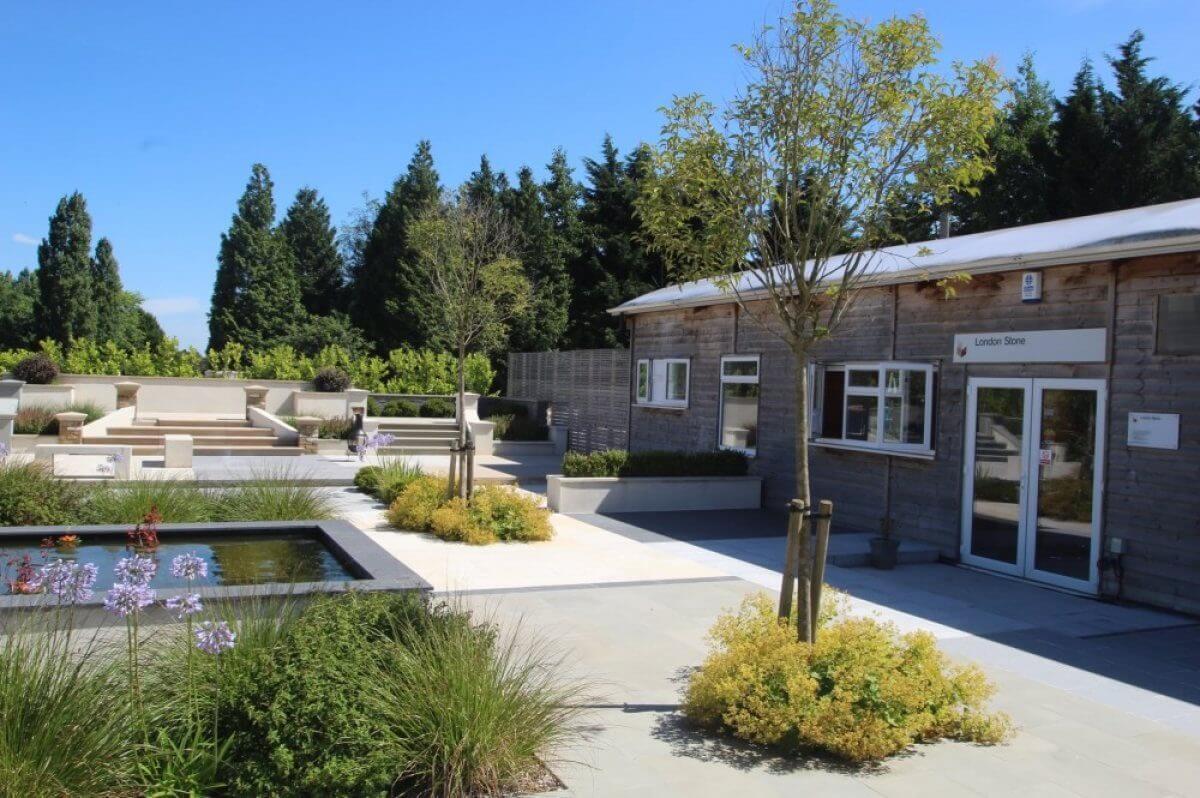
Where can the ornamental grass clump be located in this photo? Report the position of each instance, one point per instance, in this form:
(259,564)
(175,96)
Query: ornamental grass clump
(31,496)
(66,721)
(862,692)
(176,502)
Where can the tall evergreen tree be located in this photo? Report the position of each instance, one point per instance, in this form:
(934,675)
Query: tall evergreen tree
(107,293)
(1022,146)
(1083,166)
(18,297)
(614,265)
(542,324)
(484,184)
(391,298)
(65,308)
(561,195)
(256,297)
(1155,142)
(312,240)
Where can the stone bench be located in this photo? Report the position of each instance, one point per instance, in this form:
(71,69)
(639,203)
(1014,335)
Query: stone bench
(122,467)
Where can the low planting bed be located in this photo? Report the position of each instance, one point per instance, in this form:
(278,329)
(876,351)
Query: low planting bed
(616,481)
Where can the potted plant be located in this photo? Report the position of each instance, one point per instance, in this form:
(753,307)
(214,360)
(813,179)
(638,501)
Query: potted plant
(885,548)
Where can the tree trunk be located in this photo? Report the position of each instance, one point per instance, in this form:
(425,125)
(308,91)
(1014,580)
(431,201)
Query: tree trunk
(804,612)
(460,412)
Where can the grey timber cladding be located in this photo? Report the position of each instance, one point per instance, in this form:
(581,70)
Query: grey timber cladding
(588,390)
(1151,497)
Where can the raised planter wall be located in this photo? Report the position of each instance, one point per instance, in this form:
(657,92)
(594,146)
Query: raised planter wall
(178,395)
(578,495)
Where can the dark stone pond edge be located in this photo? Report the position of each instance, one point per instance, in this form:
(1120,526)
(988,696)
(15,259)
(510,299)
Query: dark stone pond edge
(374,568)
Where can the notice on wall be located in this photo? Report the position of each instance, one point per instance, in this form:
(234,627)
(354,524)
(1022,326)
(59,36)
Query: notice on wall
(1153,430)
(1032,346)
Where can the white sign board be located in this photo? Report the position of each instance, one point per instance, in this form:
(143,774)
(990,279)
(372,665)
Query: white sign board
(1034,346)
(1153,430)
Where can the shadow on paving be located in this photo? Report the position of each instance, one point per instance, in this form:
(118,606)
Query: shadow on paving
(1145,648)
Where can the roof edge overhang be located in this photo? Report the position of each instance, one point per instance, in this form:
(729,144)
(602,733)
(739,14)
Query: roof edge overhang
(1136,249)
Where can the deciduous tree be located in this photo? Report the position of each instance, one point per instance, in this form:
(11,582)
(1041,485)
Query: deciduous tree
(842,117)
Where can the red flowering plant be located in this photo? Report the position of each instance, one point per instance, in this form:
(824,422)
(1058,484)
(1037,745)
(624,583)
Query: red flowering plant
(144,536)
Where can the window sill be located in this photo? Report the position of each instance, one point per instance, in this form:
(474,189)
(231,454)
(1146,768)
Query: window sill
(846,446)
(662,405)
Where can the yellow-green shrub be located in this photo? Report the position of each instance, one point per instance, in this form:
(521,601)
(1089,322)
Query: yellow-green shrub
(862,692)
(494,513)
(413,509)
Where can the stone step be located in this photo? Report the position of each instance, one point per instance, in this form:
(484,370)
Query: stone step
(410,432)
(195,432)
(259,451)
(400,451)
(187,421)
(197,441)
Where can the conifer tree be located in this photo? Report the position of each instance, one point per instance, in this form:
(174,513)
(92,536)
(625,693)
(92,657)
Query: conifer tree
(1155,143)
(484,184)
(256,298)
(107,293)
(391,297)
(18,297)
(560,198)
(542,324)
(614,265)
(65,307)
(312,240)
(1022,146)
(1083,167)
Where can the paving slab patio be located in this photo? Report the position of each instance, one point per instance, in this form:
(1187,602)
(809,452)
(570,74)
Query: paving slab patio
(637,643)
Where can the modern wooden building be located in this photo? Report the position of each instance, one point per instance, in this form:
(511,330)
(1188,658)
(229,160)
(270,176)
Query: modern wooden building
(1041,422)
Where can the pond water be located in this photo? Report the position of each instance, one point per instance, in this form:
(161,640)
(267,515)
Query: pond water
(233,559)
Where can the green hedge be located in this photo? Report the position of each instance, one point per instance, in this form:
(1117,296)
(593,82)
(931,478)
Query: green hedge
(620,463)
(404,371)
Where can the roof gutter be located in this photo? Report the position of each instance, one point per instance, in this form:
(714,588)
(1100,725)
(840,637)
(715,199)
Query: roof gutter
(1143,249)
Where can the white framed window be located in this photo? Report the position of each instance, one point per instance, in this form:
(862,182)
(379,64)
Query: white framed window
(739,403)
(663,382)
(886,406)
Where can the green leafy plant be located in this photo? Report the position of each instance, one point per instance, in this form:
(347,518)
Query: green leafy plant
(862,692)
(437,407)
(620,463)
(400,408)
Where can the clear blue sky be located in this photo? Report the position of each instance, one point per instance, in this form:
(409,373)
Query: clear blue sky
(155,111)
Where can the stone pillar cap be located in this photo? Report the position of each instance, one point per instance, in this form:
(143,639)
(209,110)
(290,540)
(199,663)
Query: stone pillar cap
(70,415)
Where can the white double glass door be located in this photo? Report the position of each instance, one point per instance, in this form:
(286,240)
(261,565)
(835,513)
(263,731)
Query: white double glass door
(1033,478)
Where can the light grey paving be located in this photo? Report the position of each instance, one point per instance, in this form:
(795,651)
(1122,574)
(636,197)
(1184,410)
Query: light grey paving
(636,642)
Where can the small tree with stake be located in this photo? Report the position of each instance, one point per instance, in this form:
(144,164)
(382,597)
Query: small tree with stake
(783,197)
(466,249)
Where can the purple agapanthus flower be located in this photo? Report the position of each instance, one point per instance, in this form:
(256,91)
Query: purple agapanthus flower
(213,638)
(189,567)
(126,598)
(136,570)
(379,440)
(4,450)
(185,605)
(69,581)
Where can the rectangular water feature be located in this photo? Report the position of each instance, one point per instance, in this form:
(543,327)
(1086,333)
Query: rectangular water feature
(244,559)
